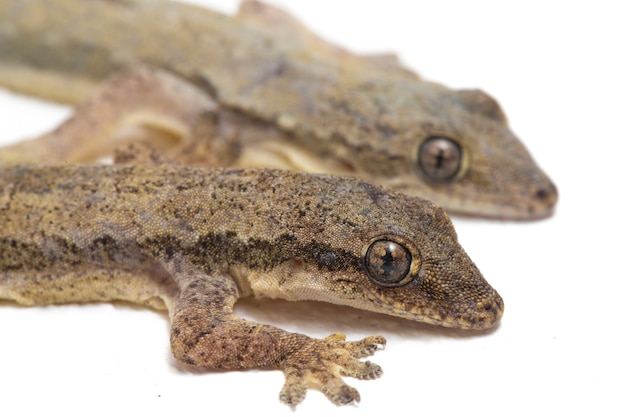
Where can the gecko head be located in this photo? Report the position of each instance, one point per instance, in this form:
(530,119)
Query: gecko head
(478,165)
(420,271)
(445,289)
(390,253)
(458,150)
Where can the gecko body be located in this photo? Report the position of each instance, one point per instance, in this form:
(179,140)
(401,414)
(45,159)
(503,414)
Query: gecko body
(194,240)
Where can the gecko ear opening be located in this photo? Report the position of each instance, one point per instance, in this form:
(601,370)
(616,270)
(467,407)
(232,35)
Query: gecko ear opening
(388,263)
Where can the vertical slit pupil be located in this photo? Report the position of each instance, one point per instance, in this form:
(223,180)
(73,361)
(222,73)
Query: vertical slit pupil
(387,258)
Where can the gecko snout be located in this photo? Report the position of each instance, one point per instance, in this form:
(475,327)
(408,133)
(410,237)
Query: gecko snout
(547,196)
(489,312)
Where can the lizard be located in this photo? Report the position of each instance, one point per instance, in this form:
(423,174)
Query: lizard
(275,95)
(193,240)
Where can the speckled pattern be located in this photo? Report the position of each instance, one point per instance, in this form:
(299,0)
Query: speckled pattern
(194,240)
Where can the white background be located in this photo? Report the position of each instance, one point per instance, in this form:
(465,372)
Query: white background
(558,70)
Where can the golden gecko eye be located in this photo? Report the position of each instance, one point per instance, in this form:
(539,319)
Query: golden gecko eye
(388,263)
(439,158)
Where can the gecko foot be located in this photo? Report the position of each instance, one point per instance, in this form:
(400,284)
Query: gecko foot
(321,363)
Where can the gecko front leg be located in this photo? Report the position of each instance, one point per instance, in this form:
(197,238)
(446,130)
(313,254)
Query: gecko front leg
(205,332)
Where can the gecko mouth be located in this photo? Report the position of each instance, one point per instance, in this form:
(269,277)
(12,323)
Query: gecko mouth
(534,204)
(481,315)
(476,315)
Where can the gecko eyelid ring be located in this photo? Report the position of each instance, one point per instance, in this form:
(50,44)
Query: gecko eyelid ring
(388,263)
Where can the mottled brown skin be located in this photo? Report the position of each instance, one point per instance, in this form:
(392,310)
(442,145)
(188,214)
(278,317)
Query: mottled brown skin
(280,97)
(194,240)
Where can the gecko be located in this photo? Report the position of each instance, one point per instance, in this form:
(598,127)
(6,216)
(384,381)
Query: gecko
(193,240)
(262,91)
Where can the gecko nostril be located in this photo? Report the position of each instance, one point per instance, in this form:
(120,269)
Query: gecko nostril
(542,194)
(547,193)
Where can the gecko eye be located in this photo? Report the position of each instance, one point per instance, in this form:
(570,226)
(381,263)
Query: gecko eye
(388,263)
(439,158)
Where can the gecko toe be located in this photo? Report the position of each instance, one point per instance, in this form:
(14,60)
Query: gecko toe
(340,393)
(369,345)
(294,389)
(363,370)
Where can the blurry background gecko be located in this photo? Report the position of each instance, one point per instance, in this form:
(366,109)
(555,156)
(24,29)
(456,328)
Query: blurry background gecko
(260,90)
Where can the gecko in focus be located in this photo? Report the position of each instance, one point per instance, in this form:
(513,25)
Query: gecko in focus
(193,240)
